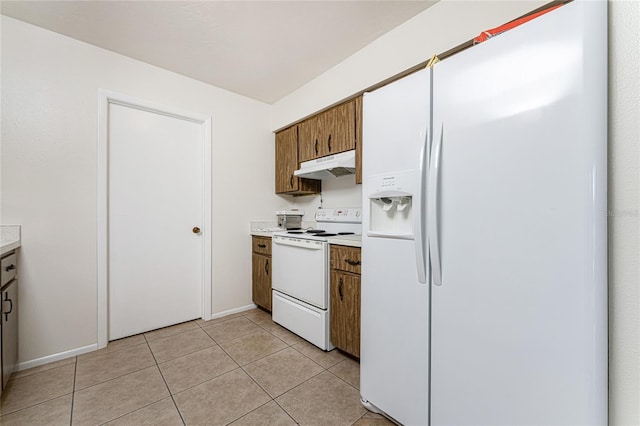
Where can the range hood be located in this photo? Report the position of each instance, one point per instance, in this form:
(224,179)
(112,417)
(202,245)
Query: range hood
(341,164)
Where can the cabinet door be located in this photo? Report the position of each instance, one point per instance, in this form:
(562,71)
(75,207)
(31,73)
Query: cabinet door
(308,145)
(345,311)
(286,160)
(344,131)
(326,132)
(9,330)
(287,163)
(262,280)
(358,112)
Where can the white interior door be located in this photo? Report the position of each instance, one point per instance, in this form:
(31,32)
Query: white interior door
(155,200)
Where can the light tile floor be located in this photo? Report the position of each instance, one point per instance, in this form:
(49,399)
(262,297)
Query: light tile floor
(242,369)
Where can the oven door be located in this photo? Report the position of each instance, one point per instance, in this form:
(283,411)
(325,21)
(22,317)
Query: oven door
(300,269)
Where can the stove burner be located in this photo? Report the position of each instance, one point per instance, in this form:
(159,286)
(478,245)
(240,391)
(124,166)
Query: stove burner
(346,233)
(295,232)
(326,234)
(315,231)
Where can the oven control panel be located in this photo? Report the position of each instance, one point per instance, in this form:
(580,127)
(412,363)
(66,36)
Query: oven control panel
(350,215)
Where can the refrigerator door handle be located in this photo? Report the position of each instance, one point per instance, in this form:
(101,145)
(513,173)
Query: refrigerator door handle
(432,208)
(421,257)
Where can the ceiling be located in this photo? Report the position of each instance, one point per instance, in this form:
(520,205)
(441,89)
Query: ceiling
(260,49)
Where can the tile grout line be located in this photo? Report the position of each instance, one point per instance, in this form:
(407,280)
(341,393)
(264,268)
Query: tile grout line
(249,412)
(106,353)
(297,386)
(165,381)
(259,385)
(120,376)
(73,390)
(34,405)
(285,410)
(342,378)
(41,402)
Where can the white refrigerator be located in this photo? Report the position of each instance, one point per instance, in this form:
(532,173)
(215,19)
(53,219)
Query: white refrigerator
(484,254)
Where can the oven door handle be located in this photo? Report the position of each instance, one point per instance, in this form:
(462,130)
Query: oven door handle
(306,244)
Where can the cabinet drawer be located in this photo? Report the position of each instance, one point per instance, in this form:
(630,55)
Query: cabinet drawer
(9,268)
(262,245)
(345,258)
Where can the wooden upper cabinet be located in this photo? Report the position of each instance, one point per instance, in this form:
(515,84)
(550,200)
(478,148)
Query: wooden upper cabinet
(286,160)
(344,130)
(328,132)
(307,139)
(335,130)
(287,163)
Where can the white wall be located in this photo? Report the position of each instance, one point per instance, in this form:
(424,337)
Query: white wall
(624,208)
(49,133)
(336,192)
(449,23)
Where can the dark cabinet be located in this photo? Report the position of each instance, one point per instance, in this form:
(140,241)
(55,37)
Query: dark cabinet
(328,132)
(345,298)
(287,163)
(9,316)
(261,266)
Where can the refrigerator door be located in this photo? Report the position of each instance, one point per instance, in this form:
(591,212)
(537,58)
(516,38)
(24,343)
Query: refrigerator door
(519,322)
(394,302)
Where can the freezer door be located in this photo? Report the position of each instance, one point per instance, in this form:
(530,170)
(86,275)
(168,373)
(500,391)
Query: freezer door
(394,355)
(519,322)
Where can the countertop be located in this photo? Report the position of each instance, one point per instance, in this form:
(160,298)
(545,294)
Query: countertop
(262,233)
(9,238)
(346,240)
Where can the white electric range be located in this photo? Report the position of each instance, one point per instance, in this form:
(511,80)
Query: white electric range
(300,278)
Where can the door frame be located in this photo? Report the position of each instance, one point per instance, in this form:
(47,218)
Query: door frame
(106,97)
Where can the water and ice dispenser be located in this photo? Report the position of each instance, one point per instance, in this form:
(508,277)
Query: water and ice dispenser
(391,205)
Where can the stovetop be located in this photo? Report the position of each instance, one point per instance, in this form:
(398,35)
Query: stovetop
(317,232)
(314,236)
(329,223)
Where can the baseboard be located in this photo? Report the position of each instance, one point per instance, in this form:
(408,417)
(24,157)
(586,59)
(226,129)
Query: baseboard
(56,357)
(233,311)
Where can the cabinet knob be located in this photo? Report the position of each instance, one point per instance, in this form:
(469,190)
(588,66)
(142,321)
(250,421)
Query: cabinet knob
(352,262)
(266,266)
(291,181)
(196,230)
(10,268)
(340,285)
(316,146)
(329,142)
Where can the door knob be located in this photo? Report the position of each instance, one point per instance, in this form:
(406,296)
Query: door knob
(196,230)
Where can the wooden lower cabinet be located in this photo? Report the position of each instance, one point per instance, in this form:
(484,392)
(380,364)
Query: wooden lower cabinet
(8,317)
(345,302)
(261,266)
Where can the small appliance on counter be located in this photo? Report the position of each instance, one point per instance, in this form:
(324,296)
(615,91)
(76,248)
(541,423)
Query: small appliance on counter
(290,219)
